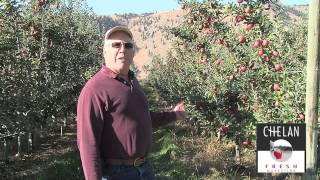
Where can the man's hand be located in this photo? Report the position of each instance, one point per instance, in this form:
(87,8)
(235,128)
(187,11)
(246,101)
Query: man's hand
(180,111)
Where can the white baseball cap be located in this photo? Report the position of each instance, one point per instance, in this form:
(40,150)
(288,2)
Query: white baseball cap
(118,28)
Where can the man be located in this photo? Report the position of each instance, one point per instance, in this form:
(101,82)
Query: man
(114,125)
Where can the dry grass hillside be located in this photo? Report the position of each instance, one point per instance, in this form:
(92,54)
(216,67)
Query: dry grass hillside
(149,36)
(148,30)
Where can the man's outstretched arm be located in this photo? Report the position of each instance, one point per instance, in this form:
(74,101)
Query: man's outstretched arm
(162,118)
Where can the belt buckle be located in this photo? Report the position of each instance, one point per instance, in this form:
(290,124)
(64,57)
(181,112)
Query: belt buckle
(138,161)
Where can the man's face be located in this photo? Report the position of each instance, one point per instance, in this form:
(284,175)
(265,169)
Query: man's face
(119,51)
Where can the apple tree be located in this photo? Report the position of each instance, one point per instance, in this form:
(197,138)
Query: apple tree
(47,49)
(234,65)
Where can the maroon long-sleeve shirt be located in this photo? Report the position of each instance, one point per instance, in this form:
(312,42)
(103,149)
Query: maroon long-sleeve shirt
(114,121)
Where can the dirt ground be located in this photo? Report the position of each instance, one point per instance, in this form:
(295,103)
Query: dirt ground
(31,166)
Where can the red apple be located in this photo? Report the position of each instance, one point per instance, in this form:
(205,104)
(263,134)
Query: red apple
(248,10)
(277,67)
(260,52)
(220,41)
(265,43)
(239,18)
(224,129)
(215,22)
(218,61)
(208,18)
(232,78)
(246,143)
(267,6)
(209,31)
(242,38)
(205,25)
(243,68)
(257,43)
(249,26)
(240,1)
(266,58)
(275,53)
(244,98)
(276,87)
(301,117)
(183,6)
(251,65)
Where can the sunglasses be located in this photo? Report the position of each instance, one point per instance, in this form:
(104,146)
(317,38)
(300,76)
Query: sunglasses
(127,45)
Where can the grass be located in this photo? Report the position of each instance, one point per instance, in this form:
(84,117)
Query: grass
(178,153)
(67,166)
(163,158)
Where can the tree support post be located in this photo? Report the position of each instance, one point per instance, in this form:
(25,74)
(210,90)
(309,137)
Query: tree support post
(312,90)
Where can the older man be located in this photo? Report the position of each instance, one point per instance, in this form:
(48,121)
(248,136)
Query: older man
(114,124)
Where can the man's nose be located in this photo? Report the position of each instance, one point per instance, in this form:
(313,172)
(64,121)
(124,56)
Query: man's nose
(122,48)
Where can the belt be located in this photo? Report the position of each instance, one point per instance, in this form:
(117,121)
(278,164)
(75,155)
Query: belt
(128,162)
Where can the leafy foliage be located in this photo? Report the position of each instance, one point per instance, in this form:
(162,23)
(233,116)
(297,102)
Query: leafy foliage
(48,50)
(234,65)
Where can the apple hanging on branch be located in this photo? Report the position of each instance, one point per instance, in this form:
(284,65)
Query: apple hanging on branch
(277,67)
(276,87)
(245,143)
(242,38)
(243,68)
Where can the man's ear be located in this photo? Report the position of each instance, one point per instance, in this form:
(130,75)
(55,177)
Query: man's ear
(104,54)
(135,49)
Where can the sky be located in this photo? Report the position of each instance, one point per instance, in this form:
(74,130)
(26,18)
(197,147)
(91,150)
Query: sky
(109,7)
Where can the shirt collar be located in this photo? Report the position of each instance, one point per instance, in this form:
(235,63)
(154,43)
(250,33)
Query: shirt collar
(114,75)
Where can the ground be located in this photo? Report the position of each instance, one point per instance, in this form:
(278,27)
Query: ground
(179,152)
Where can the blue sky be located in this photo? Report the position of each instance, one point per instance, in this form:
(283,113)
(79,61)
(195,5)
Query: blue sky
(109,7)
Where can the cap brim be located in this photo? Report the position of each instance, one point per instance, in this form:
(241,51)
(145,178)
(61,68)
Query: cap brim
(118,28)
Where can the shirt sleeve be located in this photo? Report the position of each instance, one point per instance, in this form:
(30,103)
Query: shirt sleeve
(89,132)
(162,118)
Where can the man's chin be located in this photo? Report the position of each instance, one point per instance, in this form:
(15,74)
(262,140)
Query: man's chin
(123,65)
(122,61)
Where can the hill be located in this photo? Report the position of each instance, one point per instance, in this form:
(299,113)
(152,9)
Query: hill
(148,30)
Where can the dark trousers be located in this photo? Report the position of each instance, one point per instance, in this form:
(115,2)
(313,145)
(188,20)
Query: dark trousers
(123,172)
